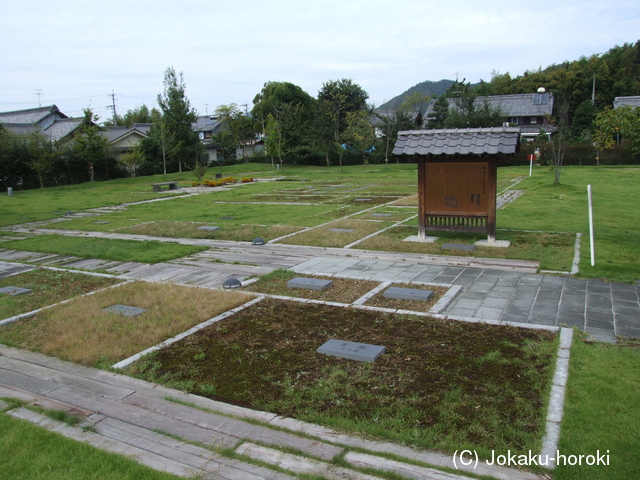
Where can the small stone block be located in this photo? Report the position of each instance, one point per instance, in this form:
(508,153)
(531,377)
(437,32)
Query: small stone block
(341,230)
(125,310)
(227,218)
(361,352)
(458,246)
(101,222)
(382,214)
(494,244)
(418,239)
(206,228)
(399,293)
(309,283)
(13,291)
(258,241)
(361,199)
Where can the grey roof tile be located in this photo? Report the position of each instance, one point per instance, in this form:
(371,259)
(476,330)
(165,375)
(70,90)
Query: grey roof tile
(454,141)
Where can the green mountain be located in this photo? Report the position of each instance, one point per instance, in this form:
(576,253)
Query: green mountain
(425,88)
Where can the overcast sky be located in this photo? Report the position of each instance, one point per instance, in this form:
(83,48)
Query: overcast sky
(76,53)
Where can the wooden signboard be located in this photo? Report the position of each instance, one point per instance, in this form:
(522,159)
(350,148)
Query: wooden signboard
(457,195)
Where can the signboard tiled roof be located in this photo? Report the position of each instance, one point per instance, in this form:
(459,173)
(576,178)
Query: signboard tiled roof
(458,141)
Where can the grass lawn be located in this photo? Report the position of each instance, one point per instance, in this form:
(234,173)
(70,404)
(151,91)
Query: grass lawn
(459,386)
(49,287)
(104,248)
(80,331)
(602,411)
(29,452)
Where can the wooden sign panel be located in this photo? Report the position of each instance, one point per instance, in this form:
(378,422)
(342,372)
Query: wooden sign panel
(457,195)
(457,188)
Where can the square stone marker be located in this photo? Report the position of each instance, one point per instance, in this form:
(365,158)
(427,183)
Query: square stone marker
(309,283)
(400,293)
(361,352)
(342,230)
(125,310)
(208,229)
(13,291)
(458,246)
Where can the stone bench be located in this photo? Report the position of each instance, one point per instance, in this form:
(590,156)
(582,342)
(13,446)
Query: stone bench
(158,186)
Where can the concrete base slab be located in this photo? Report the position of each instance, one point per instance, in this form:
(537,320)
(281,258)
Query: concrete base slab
(494,244)
(399,293)
(125,310)
(416,238)
(341,230)
(208,229)
(13,291)
(361,352)
(458,246)
(309,283)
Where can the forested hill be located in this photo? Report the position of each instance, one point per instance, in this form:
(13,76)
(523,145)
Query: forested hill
(616,73)
(425,88)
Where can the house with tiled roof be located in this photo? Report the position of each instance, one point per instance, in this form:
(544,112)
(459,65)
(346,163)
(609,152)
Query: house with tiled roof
(48,120)
(626,101)
(124,139)
(528,111)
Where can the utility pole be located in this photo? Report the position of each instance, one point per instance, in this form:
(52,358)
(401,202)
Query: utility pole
(113,106)
(39,94)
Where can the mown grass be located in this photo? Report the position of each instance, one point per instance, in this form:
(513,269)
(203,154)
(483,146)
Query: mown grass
(105,248)
(554,251)
(80,331)
(30,452)
(49,287)
(336,234)
(601,411)
(564,207)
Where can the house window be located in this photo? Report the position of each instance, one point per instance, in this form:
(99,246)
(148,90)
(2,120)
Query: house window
(516,120)
(534,120)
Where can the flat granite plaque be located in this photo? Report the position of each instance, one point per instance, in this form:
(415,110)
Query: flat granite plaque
(341,230)
(15,291)
(458,246)
(207,228)
(361,352)
(309,283)
(125,310)
(399,293)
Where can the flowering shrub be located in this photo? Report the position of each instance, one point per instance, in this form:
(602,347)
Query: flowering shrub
(247,179)
(219,183)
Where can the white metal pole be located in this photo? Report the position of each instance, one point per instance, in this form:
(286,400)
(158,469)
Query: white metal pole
(530,164)
(593,251)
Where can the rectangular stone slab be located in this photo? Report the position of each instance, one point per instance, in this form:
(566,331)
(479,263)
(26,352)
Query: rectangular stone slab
(15,291)
(208,229)
(399,293)
(362,352)
(458,246)
(309,283)
(125,310)
(343,230)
